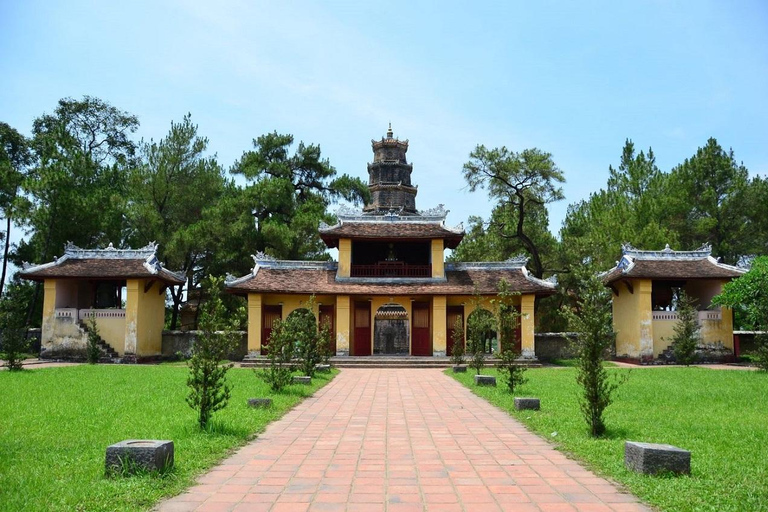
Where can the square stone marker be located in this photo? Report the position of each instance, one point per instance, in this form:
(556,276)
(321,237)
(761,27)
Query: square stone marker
(485,380)
(650,458)
(139,454)
(527,403)
(301,379)
(260,402)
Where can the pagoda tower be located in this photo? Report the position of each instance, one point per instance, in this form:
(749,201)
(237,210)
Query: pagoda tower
(389,178)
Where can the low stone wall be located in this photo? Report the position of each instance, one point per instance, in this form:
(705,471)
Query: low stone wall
(33,335)
(178,345)
(745,341)
(554,345)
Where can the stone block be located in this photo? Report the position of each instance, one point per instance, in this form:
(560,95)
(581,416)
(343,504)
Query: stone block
(459,369)
(485,380)
(650,458)
(301,379)
(527,403)
(132,455)
(323,368)
(260,402)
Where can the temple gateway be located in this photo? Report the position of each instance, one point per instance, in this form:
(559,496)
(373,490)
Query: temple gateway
(391,292)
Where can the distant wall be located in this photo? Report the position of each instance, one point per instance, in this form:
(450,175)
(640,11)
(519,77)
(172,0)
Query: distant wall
(746,341)
(179,343)
(554,345)
(33,335)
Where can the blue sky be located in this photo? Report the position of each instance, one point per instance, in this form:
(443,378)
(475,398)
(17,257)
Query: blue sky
(572,78)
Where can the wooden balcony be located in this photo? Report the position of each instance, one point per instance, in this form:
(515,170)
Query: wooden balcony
(391,269)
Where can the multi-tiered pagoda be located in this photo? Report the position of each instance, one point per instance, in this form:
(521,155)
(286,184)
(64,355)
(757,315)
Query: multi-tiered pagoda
(391,291)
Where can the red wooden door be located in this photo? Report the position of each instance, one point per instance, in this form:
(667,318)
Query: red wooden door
(326,317)
(453,314)
(362,342)
(269,315)
(420,345)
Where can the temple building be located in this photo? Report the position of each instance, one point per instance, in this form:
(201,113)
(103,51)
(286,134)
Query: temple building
(391,292)
(122,290)
(646,286)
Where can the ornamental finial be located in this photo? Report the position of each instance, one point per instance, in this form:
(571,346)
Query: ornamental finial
(389,131)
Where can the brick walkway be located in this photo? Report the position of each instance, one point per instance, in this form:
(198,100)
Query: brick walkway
(399,440)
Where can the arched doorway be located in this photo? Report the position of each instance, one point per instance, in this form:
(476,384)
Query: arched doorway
(481,327)
(390,330)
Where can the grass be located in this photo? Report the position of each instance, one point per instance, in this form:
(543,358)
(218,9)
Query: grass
(56,423)
(720,416)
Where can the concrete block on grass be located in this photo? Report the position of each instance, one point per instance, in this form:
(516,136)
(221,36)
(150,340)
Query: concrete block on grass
(650,458)
(301,379)
(260,402)
(459,369)
(485,380)
(527,403)
(323,368)
(134,455)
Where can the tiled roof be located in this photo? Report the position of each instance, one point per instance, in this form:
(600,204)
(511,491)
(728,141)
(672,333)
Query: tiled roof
(669,264)
(390,230)
(319,280)
(107,263)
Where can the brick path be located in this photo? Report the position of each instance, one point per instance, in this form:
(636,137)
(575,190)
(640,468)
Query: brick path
(399,440)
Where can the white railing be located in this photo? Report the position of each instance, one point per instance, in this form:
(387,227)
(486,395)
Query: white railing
(66,313)
(84,314)
(709,315)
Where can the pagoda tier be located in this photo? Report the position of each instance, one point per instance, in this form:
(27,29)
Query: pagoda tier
(389,177)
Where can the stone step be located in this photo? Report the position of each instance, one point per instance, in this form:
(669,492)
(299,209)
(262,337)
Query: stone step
(380,362)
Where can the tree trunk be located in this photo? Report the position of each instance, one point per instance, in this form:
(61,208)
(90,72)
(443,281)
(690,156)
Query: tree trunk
(176,296)
(5,253)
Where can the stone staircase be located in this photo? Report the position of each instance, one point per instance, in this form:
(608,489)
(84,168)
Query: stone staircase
(258,361)
(108,354)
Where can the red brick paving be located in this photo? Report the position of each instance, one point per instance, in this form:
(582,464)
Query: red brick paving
(399,440)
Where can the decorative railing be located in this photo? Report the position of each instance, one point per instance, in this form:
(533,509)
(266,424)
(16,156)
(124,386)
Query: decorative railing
(85,314)
(66,313)
(391,269)
(709,315)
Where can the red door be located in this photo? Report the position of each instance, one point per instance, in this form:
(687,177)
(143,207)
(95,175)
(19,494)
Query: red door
(453,314)
(421,342)
(269,315)
(326,317)
(517,342)
(362,342)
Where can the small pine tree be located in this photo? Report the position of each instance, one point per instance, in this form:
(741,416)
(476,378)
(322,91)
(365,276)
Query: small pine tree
(93,349)
(208,388)
(594,337)
(457,351)
(307,341)
(280,353)
(761,351)
(14,340)
(479,324)
(687,334)
(507,320)
(513,372)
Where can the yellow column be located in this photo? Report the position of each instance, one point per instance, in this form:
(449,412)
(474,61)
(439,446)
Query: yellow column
(527,321)
(254,322)
(133,291)
(438,266)
(49,313)
(345,257)
(342,325)
(439,334)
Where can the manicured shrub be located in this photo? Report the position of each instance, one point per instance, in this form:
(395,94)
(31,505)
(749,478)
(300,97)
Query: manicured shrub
(687,334)
(457,352)
(93,349)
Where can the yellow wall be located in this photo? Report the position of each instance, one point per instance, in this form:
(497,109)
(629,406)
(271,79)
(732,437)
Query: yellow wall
(112,330)
(254,322)
(714,331)
(343,324)
(632,320)
(345,257)
(439,326)
(663,330)
(438,266)
(151,319)
(527,322)
(132,291)
(49,313)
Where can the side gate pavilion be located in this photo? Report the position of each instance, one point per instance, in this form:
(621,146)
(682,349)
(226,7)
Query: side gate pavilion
(391,291)
(646,286)
(122,289)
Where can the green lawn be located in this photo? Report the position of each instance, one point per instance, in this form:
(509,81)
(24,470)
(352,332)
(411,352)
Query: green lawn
(56,423)
(720,416)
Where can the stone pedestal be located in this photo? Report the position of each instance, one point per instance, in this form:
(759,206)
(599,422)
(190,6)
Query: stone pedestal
(323,368)
(260,402)
(485,380)
(459,369)
(301,379)
(527,403)
(649,458)
(134,455)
